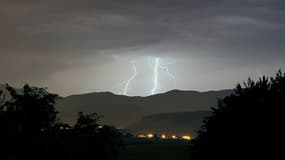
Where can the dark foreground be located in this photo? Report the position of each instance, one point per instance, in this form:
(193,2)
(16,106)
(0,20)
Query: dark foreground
(136,149)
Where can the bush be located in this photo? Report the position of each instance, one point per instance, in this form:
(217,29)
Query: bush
(246,124)
(29,130)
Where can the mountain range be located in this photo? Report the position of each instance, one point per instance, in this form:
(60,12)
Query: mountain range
(122,111)
(176,111)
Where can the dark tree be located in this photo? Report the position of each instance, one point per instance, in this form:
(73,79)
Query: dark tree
(30,110)
(2,112)
(2,100)
(87,123)
(25,116)
(29,130)
(95,138)
(246,124)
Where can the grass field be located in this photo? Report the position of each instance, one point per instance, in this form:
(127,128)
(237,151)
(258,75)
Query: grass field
(155,150)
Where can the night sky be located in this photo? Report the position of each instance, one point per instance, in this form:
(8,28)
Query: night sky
(80,46)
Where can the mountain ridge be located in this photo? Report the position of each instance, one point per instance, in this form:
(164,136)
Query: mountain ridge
(167,92)
(121,110)
(176,111)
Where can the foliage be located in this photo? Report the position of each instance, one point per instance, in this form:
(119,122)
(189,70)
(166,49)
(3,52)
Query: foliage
(87,123)
(29,130)
(32,110)
(245,124)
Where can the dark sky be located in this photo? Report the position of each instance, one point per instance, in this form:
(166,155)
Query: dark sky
(79,46)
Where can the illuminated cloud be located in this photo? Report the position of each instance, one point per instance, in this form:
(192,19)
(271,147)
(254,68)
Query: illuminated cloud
(69,45)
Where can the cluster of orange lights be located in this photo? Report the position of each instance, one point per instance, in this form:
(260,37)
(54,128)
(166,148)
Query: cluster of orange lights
(150,136)
(164,136)
(187,137)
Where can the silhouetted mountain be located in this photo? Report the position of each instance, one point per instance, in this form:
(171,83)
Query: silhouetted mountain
(180,123)
(122,111)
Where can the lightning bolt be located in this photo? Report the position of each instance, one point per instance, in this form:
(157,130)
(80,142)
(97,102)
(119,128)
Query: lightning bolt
(170,75)
(131,79)
(156,70)
(153,91)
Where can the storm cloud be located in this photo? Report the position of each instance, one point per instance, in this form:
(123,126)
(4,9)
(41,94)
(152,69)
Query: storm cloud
(77,46)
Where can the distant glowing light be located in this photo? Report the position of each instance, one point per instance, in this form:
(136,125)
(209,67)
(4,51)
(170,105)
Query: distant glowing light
(150,136)
(153,91)
(131,79)
(141,136)
(187,138)
(164,136)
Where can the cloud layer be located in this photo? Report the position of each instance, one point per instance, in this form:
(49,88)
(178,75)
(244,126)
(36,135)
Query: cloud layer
(42,39)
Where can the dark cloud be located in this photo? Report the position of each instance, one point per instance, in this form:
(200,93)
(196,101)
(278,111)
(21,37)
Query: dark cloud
(68,32)
(57,25)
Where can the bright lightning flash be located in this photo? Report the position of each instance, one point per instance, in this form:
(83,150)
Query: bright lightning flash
(131,79)
(153,91)
(171,76)
(157,68)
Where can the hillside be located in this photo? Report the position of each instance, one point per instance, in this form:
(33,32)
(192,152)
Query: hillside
(122,110)
(181,123)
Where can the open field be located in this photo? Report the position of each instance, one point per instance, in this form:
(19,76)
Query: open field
(156,150)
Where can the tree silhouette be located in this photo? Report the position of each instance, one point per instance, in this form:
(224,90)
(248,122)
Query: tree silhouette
(29,130)
(30,110)
(87,123)
(104,140)
(245,124)
(2,100)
